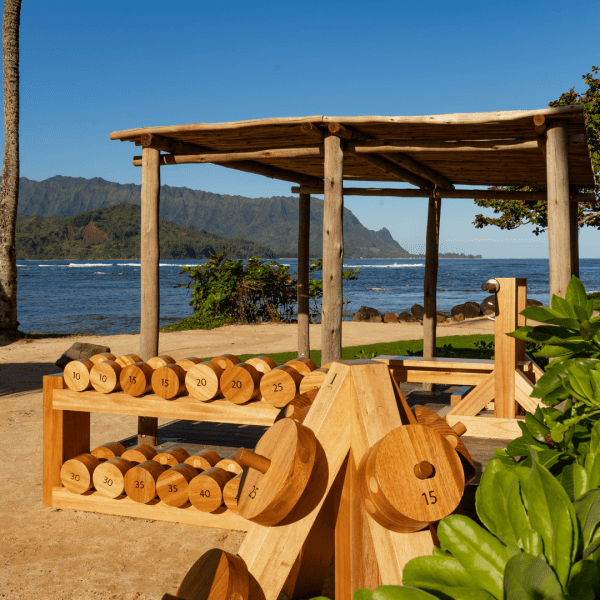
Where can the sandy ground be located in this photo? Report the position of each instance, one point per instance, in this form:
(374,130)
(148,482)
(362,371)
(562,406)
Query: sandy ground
(60,554)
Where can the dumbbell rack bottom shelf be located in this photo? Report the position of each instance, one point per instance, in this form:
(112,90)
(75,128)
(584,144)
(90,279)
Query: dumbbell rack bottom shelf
(67,435)
(155,510)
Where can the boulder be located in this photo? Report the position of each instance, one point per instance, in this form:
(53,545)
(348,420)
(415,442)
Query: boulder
(488,306)
(532,302)
(406,317)
(367,314)
(80,351)
(442,314)
(417,311)
(390,318)
(440,318)
(469,310)
(458,317)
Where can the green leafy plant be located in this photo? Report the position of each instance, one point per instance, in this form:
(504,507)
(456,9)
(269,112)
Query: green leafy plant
(445,350)
(486,349)
(363,354)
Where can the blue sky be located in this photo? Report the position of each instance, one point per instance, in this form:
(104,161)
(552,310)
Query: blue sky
(93,68)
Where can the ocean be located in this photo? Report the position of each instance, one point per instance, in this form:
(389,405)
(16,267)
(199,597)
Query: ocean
(103,297)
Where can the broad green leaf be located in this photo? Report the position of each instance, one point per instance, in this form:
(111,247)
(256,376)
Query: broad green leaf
(561,305)
(532,542)
(580,380)
(536,428)
(550,351)
(548,315)
(564,547)
(397,592)
(592,469)
(362,594)
(584,581)
(574,480)
(529,578)
(576,292)
(587,509)
(595,441)
(589,330)
(517,515)
(503,527)
(482,555)
(547,498)
(435,571)
(524,474)
(485,493)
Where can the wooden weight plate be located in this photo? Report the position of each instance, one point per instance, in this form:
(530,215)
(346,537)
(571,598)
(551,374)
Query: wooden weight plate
(136,379)
(230,493)
(128,359)
(140,454)
(104,376)
(202,381)
(216,575)
(187,363)
(330,364)
(298,406)
(263,364)
(304,366)
(109,477)
(267,498)
(411,478)
(168,382)
(427,417)
(140,481)
(226,360)
(206,490)
(313,380)
(279,386)
(76,474)
(108,451)
(240,383)
(160,361)
(77,375)
(230,465)
(203,460)
(172,457)
(172,485)
(96,358)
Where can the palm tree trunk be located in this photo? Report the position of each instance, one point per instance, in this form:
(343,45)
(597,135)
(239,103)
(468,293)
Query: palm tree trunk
(9,187)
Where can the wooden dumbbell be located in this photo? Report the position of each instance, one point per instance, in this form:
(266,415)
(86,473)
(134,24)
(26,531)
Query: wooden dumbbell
(216,575)
(128,359)
(96,358)
(202,381)
(205,459)
(172,457)
(109,477)
(76,474)
(168,382)
(140,454)
(160,361)
(187,363)
(140,481)
(280,386)
(136,378)
(313,380)
(173,484)
(278,472)
(411,478)
(108,451)
(263,364)
(297,409)
(304,366)
(206,489)
(226,360)
(77,375)
(231,492)
(241,383)
(230,465)
(104,376)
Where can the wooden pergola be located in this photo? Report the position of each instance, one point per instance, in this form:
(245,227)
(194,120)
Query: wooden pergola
(546,148)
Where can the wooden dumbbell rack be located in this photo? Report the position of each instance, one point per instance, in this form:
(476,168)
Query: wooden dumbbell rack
(67,435)
(507,380)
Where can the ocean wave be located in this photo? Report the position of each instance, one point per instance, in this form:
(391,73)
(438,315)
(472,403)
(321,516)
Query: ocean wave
(87,265)
(394,266)
(101,273)
(381,289)
(159,264)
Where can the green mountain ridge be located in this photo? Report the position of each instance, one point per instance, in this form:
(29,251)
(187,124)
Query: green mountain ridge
(272,222)
(115,232)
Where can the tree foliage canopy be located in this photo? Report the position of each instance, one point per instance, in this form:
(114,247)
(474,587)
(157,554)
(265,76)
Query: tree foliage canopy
(513,213)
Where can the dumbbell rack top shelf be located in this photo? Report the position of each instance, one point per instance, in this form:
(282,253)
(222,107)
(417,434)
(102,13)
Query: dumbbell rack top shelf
(67,435)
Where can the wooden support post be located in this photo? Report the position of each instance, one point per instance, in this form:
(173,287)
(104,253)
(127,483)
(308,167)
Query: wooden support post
(149,261)
(333,252)
(506,349)
(66,435)
(573,222)
(559,231)
(430,282)
(521,322)
(302,281)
